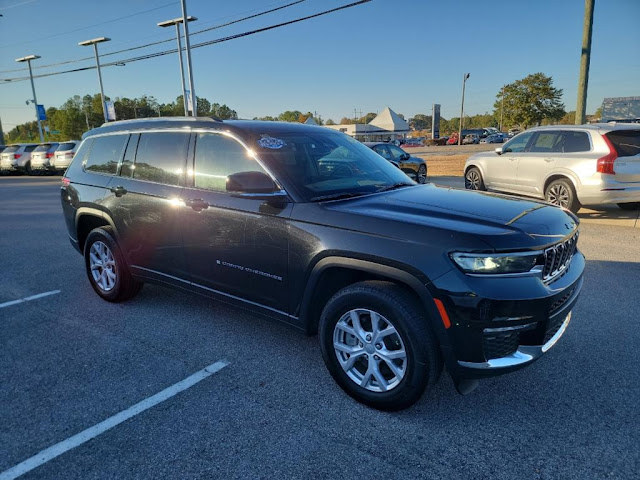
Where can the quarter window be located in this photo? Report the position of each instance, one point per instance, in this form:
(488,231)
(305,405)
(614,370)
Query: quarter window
(576,142)
(161,157)
(105,154)
(218,156)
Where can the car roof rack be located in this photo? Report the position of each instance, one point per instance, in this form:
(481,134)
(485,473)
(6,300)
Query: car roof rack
(163,119)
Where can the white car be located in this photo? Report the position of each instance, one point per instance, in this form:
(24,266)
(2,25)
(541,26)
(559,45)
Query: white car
(567,165)
(17,158)
(64,154)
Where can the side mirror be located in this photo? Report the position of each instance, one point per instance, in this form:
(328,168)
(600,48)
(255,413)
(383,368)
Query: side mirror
(250,182)
(499,150)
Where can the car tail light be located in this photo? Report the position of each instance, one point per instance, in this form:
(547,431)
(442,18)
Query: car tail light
(66,181)
(605,164)
(49,155)
(16,156)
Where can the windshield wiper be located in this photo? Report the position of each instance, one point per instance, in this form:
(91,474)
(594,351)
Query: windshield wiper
(337,196)
(395,186)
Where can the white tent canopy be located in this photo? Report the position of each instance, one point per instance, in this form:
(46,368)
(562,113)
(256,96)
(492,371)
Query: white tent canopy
(390,121)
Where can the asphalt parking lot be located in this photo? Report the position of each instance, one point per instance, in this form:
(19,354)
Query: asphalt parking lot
(268,408)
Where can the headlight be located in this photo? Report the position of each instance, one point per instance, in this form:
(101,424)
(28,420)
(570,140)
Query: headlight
(495,263)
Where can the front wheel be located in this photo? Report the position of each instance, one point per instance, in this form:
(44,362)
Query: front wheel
(473,180)
(421,176)
(630,206)
(561,192)
(377,345)
(107,271)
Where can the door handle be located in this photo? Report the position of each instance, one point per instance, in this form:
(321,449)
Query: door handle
(119,190)
(197,204)
(548,160)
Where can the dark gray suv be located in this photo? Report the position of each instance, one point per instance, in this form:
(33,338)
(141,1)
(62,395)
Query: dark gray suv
(310,227)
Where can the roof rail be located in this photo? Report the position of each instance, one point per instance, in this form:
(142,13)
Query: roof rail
(163,119)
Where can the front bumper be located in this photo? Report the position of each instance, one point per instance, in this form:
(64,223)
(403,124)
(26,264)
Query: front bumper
(499,325)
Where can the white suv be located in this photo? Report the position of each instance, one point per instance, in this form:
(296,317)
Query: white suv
(567,165)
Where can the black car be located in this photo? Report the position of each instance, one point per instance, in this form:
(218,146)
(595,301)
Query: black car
(414,167)
(310,227)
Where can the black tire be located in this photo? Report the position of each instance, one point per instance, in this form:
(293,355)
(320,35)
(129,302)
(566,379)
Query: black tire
(125,286)
(630,206)
(561,192)
(473,179)
(423,362)
(27,168)
(421,176)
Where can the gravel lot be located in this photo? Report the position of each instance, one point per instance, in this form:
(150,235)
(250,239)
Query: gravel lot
(70,360)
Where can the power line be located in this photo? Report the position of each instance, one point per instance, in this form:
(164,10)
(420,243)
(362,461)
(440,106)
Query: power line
(197,45)
(197,32)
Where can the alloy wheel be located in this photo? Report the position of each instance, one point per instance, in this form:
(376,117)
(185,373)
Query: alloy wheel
(558,194)
(421,177)
(370,350)
(103,266)
(472,180)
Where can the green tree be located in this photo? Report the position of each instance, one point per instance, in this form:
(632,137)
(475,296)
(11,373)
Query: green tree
(330,122)
(420,122)
(529,101)
(290,116)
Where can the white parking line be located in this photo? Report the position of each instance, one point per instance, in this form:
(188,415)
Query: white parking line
(72,442)
(28,299)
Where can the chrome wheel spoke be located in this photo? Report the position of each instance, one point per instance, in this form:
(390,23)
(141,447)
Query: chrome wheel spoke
(377,374)
(355,320)
(351,350)
(102,266)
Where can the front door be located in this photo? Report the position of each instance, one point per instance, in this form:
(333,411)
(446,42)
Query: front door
(237,246)
(502,170)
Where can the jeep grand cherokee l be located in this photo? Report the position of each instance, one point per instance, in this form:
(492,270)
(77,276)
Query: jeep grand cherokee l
(309,226)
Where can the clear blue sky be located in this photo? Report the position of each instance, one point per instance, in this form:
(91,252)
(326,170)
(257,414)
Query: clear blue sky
(406,54)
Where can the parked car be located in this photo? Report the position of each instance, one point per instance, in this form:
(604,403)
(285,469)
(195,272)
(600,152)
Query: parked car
(452,140)
(513,132)
(64,154)
(308,226)
(493,138)
(414,167)
(42,157)
(412,142)
(17,158)
(471,139)
(567,165)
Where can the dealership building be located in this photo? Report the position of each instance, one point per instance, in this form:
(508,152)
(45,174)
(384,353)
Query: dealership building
(387,125)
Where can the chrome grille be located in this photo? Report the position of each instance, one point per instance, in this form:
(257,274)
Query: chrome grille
(558,257)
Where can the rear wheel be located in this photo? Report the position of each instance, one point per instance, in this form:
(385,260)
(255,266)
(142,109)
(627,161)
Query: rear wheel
(421,176)
(473,180)
(561,192)
(107,271)
(630,206)
(377,345)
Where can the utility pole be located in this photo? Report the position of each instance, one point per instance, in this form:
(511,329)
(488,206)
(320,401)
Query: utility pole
(585,58)
(464,81)
(501,108)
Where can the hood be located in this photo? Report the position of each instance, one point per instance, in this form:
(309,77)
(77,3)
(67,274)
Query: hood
(503,222)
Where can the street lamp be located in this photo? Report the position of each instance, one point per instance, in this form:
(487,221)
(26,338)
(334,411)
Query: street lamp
(464,81)
(177,22)
(28,59)
(95,42)
(187,42)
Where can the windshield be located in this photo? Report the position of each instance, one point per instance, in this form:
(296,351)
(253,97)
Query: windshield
(325,165)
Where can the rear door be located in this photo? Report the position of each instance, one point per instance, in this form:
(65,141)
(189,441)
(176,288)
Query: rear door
(238,246)
(627,144)
(544,149)
(144,201)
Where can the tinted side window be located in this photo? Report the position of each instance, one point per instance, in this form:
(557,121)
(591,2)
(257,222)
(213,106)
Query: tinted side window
(547,142)
(126,170)
(218,156)
(105,154)
(576,142)
(382,150)
(518,143)
(398,153)
(161,157)
(83,151)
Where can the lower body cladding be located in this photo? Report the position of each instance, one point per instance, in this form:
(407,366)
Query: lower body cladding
(501,324)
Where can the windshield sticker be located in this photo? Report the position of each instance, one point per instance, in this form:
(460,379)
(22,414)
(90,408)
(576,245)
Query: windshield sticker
(272,143)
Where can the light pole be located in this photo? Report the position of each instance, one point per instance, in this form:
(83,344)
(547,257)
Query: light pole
(187,42)
(95,42)
(501,108)
(177,22)
(28,59)
(464,81)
